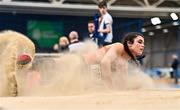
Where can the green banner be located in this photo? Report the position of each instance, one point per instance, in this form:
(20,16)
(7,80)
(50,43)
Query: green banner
(45,33)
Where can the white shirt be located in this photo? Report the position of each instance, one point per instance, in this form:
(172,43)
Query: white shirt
(107,19)
(76,47)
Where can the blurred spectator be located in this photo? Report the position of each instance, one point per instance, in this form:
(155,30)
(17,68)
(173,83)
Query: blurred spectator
(75,45)
(73,37)
(174,66)
(91,29)
(56,48)
(105,27)
(63,44)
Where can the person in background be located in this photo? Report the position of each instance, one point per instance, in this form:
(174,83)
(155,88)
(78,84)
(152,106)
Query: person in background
(62,46)
(174,66)
(75,45)
(105,27)
(56,48)
(73,37)
(91,29)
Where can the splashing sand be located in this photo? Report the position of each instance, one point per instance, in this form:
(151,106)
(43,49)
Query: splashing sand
(70,75)
(12,44)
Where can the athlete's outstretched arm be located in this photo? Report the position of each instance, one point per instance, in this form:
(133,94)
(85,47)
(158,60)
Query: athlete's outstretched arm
(111,55)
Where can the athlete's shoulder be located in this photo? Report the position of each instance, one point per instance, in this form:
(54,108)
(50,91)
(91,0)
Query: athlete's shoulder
(119,47)
(117,44)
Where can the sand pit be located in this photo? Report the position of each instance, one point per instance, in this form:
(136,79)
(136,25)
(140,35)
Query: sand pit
(162,97)
(67,85)
(166,99)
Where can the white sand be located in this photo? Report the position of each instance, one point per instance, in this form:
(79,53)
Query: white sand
(131,100)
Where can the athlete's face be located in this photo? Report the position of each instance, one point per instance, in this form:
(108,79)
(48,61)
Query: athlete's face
(137,47)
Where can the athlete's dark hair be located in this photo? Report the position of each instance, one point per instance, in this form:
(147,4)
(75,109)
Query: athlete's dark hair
(129,38)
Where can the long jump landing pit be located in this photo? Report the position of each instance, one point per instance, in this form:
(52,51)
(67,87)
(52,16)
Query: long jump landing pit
(166,99)
(141,99)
